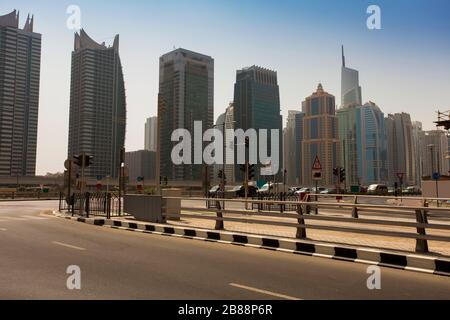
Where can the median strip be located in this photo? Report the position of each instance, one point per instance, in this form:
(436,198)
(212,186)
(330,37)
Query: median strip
(385,258)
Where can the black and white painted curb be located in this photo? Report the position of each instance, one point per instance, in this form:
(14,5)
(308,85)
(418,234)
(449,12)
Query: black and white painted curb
(385,258)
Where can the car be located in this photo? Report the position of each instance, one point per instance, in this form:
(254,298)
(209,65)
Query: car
(239,191)
(213,191)
(319,189)
(292,190)
(271,187)
(302,193)
(378,189)
(329,191)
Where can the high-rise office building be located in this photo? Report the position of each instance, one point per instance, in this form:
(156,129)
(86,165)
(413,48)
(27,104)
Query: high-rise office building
(418,140)
(20,63)
(434,153)
(292,146)
(320,137)
(151,134)
(186,95)
(350,88)
(225,121)
(97,105)
(351,102)
(257,106)
(372,145)
(401,152)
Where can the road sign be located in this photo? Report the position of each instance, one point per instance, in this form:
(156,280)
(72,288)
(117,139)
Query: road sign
(317,165)
(317,169)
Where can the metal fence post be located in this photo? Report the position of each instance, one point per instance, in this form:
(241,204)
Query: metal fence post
(108,205)
(219,223)
(421,244)
(301,232)
(87,204)
(355,208)
(308,207)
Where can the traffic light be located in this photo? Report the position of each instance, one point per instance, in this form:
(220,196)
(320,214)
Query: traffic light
(247,142)
(336,172)
(251,171)
(220,175)
(341,175)
(79,160)
(242,168)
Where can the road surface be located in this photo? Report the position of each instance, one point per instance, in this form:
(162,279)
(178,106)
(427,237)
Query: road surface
(36,250)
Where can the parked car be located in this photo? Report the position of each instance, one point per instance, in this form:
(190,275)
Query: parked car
(213,191)
(329,191)
(271,187)
(292,190)
(378,189)
(239,191)
(302,193)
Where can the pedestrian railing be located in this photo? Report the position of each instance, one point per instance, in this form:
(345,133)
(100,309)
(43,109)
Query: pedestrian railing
(410,222)
(92,204)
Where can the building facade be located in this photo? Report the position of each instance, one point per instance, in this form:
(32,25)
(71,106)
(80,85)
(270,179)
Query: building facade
(142,164)
(97,105)
(401,151)
(292,147)
(350,88)
(151,134)
(186,95)
(320,137)
(418,141)
(20,63)
(434,153)
(257,106)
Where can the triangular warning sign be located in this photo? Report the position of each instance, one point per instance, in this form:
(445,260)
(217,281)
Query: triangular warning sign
(317,165)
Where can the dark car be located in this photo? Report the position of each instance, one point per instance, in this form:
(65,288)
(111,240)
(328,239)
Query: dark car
(239,191)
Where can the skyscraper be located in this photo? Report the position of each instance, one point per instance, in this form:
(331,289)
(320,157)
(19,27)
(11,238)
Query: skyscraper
(186,94)
(151,134)
(20,63)
(434,153)
(418,141)
(292,147)
(372,144)
(349,131)
(97,105)
(400,148)
(320,137)
(350,89)
(257,106)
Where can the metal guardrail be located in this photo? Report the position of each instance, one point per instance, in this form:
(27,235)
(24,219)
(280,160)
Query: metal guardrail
(28,195)
(417,218)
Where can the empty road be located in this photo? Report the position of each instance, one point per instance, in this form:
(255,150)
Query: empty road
(36,250)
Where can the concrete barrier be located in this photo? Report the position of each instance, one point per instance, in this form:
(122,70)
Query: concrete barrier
(146,208)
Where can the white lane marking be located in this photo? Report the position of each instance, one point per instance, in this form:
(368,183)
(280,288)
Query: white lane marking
(14,218)
(3,229)
(34,218)
(68,246)
(266,292)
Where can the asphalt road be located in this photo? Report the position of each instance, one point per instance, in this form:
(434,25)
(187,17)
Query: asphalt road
(36,250)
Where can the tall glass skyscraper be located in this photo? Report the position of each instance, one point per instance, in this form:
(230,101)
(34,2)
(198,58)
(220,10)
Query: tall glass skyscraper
(97,105)
(350,89)
(186,94)
(292,136)
(20,63)
(257,106)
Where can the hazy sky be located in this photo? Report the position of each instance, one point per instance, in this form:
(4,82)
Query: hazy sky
(405,66)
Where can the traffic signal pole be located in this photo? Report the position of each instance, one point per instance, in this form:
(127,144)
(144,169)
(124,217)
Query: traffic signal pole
(246,184)
(83,163)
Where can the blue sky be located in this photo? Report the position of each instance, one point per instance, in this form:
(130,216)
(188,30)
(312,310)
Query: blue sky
(405,66)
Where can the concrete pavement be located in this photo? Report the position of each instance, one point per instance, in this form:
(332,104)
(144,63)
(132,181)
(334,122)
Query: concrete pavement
(36,250)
